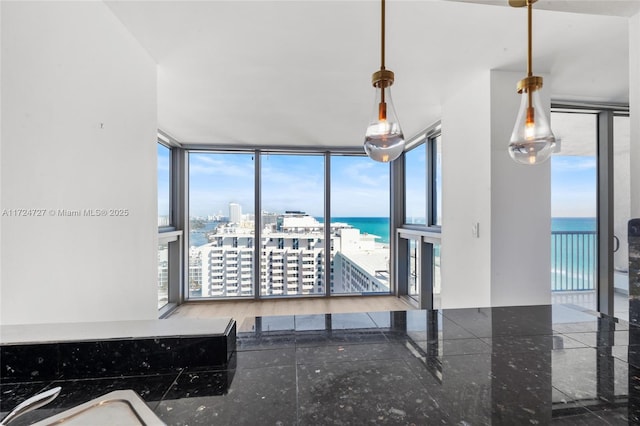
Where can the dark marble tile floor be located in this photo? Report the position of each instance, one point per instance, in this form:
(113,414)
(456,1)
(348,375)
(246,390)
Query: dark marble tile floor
(489,366)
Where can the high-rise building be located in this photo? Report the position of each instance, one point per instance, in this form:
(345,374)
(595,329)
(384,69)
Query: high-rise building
(359,265)
(235,213)
(292,259)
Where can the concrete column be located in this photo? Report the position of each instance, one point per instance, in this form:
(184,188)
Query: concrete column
(508,261)
(520,206)
(466,195)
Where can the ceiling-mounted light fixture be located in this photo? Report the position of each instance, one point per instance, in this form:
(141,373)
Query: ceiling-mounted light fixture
(532,140)
(384,140)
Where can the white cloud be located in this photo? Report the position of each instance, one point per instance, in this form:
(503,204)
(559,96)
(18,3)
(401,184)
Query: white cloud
(214,164)
(365,173)
(574,202)
(567,163)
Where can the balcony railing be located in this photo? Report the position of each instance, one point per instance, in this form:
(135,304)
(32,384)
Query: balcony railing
(573,260)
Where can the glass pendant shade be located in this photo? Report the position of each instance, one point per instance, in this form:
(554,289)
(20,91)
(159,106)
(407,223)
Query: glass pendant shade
(384,140)
(532,141)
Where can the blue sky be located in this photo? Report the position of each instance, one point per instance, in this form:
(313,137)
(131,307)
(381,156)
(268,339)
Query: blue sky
(416,188)
(359,185)
(573,186)
(573,174)
(163,180)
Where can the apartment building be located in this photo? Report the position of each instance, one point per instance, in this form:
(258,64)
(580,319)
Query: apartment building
(292,258)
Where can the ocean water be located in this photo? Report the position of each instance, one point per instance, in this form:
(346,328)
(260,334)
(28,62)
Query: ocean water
(198,237)
(368,225)
(573,224)
(371,225)
(573,247)
(380,226)
(573,253)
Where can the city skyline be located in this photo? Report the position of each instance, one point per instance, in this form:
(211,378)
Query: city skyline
(292,260)
(359,185)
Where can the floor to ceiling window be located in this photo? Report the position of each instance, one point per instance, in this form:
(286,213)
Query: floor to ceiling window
(419,237)
(164,186)
(164,220)
(292,237)
(415,186)
(436,150)
(291,243)
(436,176)
(221,225)
(574,207)
(579,191)
(423,182)
(169,243)
(286,223)
(360,229)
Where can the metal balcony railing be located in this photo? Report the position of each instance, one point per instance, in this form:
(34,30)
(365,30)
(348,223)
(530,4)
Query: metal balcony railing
(573,260)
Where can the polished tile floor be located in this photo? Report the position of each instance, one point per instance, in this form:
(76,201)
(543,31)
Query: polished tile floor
(503,366)
(589,300)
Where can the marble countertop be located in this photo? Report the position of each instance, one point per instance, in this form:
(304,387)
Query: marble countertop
(88,331)
(503,366)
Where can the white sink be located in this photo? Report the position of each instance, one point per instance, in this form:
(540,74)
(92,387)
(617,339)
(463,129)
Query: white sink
(122,408)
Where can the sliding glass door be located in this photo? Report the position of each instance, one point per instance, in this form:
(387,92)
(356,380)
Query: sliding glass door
(574,206)
(590,189)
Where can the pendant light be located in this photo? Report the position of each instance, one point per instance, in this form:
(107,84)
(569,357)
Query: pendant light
(384,140)
(532,140)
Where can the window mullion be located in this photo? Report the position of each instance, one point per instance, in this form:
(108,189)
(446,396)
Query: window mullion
(257,202)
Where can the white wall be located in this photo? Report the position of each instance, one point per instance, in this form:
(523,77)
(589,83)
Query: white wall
(520,206)
(634,109)
(509,263)
(1,203)
(466,195)
(78,132)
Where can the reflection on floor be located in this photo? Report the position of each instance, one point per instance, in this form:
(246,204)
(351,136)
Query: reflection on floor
(478,366)
(588,300)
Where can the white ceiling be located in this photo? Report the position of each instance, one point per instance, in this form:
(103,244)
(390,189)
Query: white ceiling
(284,73)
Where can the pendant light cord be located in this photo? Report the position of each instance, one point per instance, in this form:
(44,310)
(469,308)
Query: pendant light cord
(529,56)
(529,46)
(382,36)
(382,87)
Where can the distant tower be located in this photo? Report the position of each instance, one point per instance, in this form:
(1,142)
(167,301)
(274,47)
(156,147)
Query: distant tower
(235,213)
